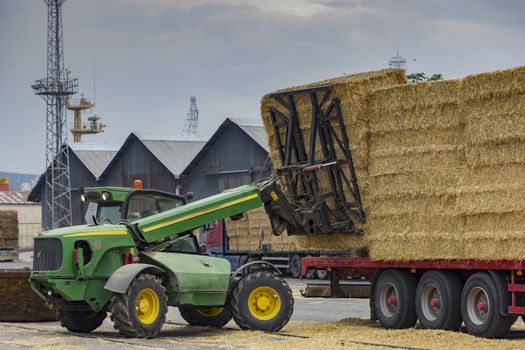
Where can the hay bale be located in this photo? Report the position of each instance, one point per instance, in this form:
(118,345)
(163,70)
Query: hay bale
(243,234)
(8,228)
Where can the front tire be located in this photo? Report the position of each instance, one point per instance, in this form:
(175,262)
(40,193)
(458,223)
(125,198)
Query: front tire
(141,311)
(394,299)
(438,300)
(261,301)
(480,308)
(205,316)
(81,321)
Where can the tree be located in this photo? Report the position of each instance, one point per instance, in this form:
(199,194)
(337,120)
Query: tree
(420,77)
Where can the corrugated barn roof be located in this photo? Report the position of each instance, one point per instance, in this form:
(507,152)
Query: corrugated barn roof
(95,156)
(14,198)
(255,129)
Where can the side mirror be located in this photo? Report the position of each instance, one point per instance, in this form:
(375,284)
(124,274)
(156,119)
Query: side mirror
(203,248)
(189,196)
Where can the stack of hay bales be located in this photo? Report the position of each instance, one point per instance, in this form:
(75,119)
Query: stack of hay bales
(243,234)
(352,91)
(8,229)
(440,166)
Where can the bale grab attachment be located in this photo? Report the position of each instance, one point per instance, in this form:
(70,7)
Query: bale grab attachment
(321,194)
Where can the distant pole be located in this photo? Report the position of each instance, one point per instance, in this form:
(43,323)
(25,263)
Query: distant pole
(55,89)
(192,119)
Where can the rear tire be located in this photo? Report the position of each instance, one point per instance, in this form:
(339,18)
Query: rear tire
(141,311)
(81,321)
(438,300)
(202,316)
(261,301)
(480,303)
(295,266)
(394,299)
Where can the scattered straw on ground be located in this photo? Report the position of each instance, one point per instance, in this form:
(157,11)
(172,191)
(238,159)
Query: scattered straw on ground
(353,333)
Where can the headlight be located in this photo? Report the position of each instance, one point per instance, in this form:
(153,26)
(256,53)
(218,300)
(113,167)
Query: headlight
(83,197)
(106,196)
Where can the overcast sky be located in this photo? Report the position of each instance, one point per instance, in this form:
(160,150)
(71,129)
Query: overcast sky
(152,55)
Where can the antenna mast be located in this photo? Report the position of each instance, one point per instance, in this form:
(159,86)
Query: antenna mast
(55,90)
(397,61)
(192,119)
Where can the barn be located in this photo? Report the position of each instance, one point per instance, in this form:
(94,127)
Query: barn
(87,161)
(158,160)
(235,155)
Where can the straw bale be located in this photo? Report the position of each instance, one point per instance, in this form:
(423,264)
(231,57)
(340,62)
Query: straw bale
(495,154)
(495,83)
(417,205)
(493,222)
(391,245)
(490,199)
(383,119)
(243,234)
(493,245)
(9,226)
(507,174)
(429,223)
(420,137)
(415,159)
(429,182)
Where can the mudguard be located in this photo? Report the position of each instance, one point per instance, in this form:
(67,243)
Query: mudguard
(124,275)
(501,283)
(260,265)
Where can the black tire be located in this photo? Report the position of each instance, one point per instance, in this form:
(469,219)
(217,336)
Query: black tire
(242,260)
(438,300)
(480,303)
(295,266)
(201,316)
(395,299)
(81,321)
(130,322)
(322,274)
(276,299)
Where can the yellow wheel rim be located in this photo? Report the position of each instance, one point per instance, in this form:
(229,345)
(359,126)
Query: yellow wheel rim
(264,303)
(147,306)
(210,311)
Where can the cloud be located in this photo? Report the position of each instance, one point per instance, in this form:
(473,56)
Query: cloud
(152,55)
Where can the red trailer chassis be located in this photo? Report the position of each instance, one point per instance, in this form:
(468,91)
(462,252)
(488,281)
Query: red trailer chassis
(340,268)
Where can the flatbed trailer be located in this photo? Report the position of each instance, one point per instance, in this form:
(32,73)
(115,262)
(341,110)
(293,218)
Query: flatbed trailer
(487,296)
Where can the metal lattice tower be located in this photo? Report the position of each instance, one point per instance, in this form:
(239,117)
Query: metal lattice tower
(397,61)
(192,120)
(55,90)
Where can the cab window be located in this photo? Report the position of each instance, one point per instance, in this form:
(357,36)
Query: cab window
(141,205)
(110,212)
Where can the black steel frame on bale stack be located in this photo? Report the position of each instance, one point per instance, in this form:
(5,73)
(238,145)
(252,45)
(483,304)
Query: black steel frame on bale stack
(320,207)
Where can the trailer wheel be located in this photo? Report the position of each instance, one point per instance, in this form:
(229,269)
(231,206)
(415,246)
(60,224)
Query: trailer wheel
(81,321)
(480,308)
(205,316)
(261,300)
(438,300)
(141,311)
(295,266)
(322,274)
(394,299)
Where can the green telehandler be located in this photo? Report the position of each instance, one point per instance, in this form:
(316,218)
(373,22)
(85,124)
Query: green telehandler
(140,255)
